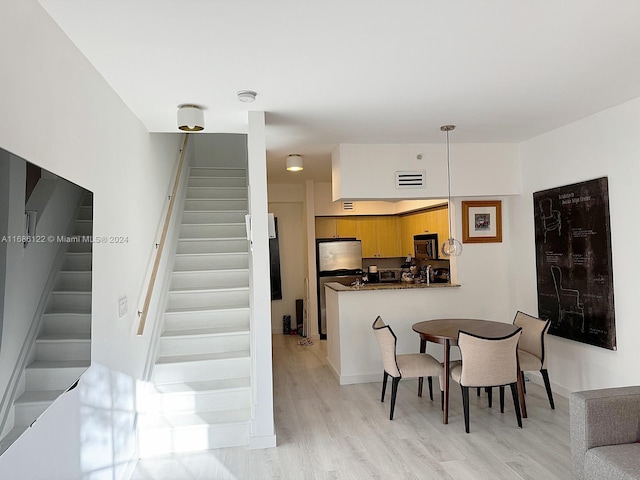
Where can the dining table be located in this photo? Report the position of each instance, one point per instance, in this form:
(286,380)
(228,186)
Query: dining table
(445,332)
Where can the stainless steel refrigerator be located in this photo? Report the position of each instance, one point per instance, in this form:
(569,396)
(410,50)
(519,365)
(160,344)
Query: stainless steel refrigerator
(336,261)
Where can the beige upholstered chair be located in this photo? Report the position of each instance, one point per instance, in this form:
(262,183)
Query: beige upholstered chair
(409,365)
(487,362)
(531,348)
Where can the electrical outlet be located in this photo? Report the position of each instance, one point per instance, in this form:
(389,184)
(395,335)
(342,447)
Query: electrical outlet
(123,307)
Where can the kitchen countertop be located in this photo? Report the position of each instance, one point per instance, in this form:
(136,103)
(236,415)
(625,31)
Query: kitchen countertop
(387,286)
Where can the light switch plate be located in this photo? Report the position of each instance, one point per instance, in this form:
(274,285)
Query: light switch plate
(123,307)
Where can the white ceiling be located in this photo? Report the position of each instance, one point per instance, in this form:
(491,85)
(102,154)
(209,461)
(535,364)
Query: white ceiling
(362,71)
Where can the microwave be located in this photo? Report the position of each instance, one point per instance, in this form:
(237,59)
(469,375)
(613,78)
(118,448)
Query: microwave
(426,246)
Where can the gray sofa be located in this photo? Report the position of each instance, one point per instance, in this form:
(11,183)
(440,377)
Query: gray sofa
(605,430)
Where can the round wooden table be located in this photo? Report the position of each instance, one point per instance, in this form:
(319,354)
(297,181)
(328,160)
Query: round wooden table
(445,332)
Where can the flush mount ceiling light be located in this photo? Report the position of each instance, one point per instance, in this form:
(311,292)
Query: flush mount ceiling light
(246,96)
(451,247)
(294,163)
(190,118)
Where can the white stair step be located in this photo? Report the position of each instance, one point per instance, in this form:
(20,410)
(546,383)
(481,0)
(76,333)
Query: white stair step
(210,279)
(77,261)
(202,341)
(218,298)
(213,182)
(73,280)
(193,368)
(66,323)
(197,397)
(31,404)
(214,217)
(85,213)
(218,172)
(193,433)
(191,205)
(217,192)
(237,319)
(80,244)
(58,347)
(213,245)
(54,375)
(219,230)
(210,261)
(83,228)
(69,302)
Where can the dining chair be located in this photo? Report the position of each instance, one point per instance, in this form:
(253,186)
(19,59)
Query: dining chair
(488,362)
(531,351)
(408,365)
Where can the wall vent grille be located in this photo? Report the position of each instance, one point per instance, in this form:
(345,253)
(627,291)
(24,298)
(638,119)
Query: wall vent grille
(414,179)
(348,206)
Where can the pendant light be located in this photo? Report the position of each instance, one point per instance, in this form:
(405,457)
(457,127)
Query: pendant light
(451,247)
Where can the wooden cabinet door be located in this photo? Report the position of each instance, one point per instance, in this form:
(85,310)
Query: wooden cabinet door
(366,233)
(407,231)
(387,236)
(442,216)
(325,227)
(345,227)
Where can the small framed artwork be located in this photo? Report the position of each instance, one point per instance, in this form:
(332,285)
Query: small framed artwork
(482,221)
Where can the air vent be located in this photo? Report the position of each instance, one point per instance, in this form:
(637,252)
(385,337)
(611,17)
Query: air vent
(348,206)
(413,179)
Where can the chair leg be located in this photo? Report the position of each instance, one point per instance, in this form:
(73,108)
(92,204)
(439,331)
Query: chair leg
(502,399)
(524,384)
(442,400)
(420,382)
(516,402)
(384,385)
(394,390)
(465,407)
(545,377)
(478,393)
(430,382)
(489,396)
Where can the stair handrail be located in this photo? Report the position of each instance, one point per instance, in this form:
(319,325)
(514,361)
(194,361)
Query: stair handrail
(160,246)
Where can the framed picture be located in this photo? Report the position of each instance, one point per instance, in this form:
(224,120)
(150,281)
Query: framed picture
(482,221)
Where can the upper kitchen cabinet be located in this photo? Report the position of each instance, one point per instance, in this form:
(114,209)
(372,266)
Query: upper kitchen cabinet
(435,220)
(380,236)
(335,227)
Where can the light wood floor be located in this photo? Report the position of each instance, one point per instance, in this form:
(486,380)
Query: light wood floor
(325,431)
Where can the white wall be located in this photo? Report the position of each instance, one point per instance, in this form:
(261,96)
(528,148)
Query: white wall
(605,144)
(221,149)
(292,245)
(60,114)
(324,204)
(476,170)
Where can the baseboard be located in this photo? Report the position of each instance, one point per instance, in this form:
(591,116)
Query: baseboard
(265,441)
(536,377)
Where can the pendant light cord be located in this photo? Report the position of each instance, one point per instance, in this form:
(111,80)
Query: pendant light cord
(448,184)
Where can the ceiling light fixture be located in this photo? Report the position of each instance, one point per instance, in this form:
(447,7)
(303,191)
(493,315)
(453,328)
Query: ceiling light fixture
(190,118)
(451,247)
(247,96)
(294,163)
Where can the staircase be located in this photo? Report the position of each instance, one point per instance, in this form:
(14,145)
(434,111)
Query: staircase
(200,395)
(63,345)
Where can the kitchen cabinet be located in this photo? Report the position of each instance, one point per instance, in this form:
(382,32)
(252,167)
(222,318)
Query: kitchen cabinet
(379,236)
(435,220)
(336,227)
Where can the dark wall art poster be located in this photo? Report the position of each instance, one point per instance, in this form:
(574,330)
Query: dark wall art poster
(573,262)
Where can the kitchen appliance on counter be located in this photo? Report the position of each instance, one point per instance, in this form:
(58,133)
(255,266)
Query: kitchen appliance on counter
(336,261)
(426,246)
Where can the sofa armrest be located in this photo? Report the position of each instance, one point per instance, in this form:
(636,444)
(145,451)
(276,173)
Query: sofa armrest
(609,416)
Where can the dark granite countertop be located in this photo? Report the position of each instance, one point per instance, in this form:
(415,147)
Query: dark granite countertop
(387,286)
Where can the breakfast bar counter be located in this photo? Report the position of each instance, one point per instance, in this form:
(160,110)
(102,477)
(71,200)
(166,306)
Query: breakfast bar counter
(352,351)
